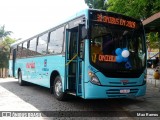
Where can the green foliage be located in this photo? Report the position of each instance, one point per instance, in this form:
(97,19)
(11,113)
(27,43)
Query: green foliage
(140,9)
(96,4)
(5,43)
(5,51)
(4,57)
(3,32)
(153,40)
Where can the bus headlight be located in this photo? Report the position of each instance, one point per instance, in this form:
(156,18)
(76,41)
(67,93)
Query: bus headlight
(95,80)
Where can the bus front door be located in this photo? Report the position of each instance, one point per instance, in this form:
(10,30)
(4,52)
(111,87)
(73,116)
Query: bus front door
(73,64)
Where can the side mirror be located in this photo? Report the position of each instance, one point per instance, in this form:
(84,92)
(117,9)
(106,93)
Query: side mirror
(84,32)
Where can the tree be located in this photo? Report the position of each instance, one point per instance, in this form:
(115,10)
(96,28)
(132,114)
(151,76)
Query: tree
(4,55)
(3,32)
(140,9)
(96,4)
(5,44)
(154,40)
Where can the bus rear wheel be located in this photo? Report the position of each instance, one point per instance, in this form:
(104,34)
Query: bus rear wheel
(58,93)
(20,81)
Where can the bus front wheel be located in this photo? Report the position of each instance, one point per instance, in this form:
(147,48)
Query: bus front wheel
(58,93)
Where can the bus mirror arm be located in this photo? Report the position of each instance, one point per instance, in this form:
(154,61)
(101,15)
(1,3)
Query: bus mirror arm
(82,31)
(81,50)
(81,57)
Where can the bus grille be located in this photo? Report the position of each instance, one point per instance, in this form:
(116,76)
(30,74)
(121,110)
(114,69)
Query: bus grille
(120,83)
(115,93)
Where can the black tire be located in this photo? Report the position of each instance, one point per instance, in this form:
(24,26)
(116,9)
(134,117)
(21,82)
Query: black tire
(57,87)
(20,81)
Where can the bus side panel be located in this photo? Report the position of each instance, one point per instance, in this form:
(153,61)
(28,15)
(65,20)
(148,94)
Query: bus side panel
(38,70)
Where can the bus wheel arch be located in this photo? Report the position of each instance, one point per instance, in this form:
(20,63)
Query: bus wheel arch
(56,86)
(19,70)
(20,81)
(54,74)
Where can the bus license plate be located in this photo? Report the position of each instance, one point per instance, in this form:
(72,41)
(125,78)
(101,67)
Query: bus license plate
(125,91)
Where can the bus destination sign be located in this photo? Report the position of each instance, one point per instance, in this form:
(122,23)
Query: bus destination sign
(115,21)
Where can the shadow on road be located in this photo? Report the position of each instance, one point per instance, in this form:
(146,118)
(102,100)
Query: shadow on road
(41,98)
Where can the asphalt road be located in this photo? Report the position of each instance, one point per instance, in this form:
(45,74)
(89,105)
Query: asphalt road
(35,98)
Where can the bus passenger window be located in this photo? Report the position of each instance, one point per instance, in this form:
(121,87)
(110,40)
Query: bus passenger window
(25,50)
(32,47)
(56,41)
(19,51)
(42,44)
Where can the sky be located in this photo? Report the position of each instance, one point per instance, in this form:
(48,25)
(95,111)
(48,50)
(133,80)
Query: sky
(26,18)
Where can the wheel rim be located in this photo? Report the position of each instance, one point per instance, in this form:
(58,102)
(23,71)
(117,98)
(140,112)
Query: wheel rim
(58,88)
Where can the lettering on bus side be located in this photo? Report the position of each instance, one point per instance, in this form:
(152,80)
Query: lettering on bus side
(30,65)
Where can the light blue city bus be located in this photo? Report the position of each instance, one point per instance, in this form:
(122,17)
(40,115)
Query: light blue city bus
(94,55)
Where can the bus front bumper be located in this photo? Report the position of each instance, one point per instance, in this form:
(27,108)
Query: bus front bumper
(102,92)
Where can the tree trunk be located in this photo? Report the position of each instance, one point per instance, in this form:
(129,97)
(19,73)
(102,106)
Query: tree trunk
(0,72)
(6,71)
(159,53)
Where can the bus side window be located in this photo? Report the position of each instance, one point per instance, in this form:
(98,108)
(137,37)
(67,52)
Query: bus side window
(25,50)
(32,47)
(19,51)
(56,41)
(42,44)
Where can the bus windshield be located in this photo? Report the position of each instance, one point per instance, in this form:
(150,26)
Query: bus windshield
(117,49)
